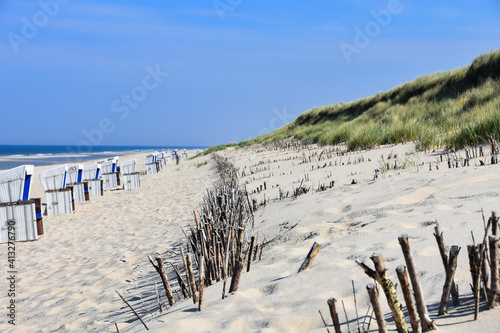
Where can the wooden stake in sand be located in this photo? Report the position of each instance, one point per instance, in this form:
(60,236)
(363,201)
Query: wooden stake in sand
(184,288)
(310,257)
(485,269)
(410,306)
(252,241)
(161,270)
(390,292)
(450,273)
(192,281)
(202,282)
(482,254)
(494,223)
(196,219)
(131,308)
(438,234)
(238,264)
(425,320)
(495,288)
(186,270)
(373,293)
(332,305)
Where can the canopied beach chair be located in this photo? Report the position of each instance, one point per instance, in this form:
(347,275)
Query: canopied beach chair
(110,173)
(184,154)
(161,158)
(91,175)
(20,217)
(75,180)
(152,165)
(59,197)
(130,178)
(168,157)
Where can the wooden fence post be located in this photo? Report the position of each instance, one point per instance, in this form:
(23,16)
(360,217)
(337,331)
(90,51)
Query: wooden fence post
(438,234)
(425,320)
(390,293)
(494,289)
(252,241)
(192,281)
(310,257)
(373,293)
(332,305)
(202,282)
(410,306)
(450,273)
(161,270)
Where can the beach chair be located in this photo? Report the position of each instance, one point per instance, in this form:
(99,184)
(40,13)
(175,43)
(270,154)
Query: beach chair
(91,175)
(168,157)
(158,161)
(75,180)
(162,158)
(110,172)
(152,166)
(131,178)
(184,154)
(20,217)
(60,198)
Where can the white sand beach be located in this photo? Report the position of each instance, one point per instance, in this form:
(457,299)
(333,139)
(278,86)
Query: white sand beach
(67,279)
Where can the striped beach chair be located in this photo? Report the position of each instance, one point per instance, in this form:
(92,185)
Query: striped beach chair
(152,164)
(110,173)
(91,175)
(60,198)
(20,217)
(75,180)
(130,177)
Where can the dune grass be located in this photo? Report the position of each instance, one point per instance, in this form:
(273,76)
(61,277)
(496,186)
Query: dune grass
(213,149)
(454,109)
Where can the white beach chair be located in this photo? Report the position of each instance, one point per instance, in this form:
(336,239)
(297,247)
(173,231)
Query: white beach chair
(184,154)
(110,174)
(20,217)
(91,175)
(131,178)
(151,163)
(59,197)
(168,157)
(162,158)
(75,180)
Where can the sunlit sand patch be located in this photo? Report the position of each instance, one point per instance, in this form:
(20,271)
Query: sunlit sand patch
(444,207)
(429,251)
(333,210)
(416,196)
(393,244)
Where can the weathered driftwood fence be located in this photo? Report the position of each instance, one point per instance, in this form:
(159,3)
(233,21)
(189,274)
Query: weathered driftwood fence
(484,272)
(218,243)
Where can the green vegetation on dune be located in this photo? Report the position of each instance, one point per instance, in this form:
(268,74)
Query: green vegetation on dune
(454,108)
(213,149)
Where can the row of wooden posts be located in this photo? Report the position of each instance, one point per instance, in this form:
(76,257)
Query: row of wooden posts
(217,242)
(484,272)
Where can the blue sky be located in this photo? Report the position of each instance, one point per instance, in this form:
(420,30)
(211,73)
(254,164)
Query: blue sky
(209,72)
